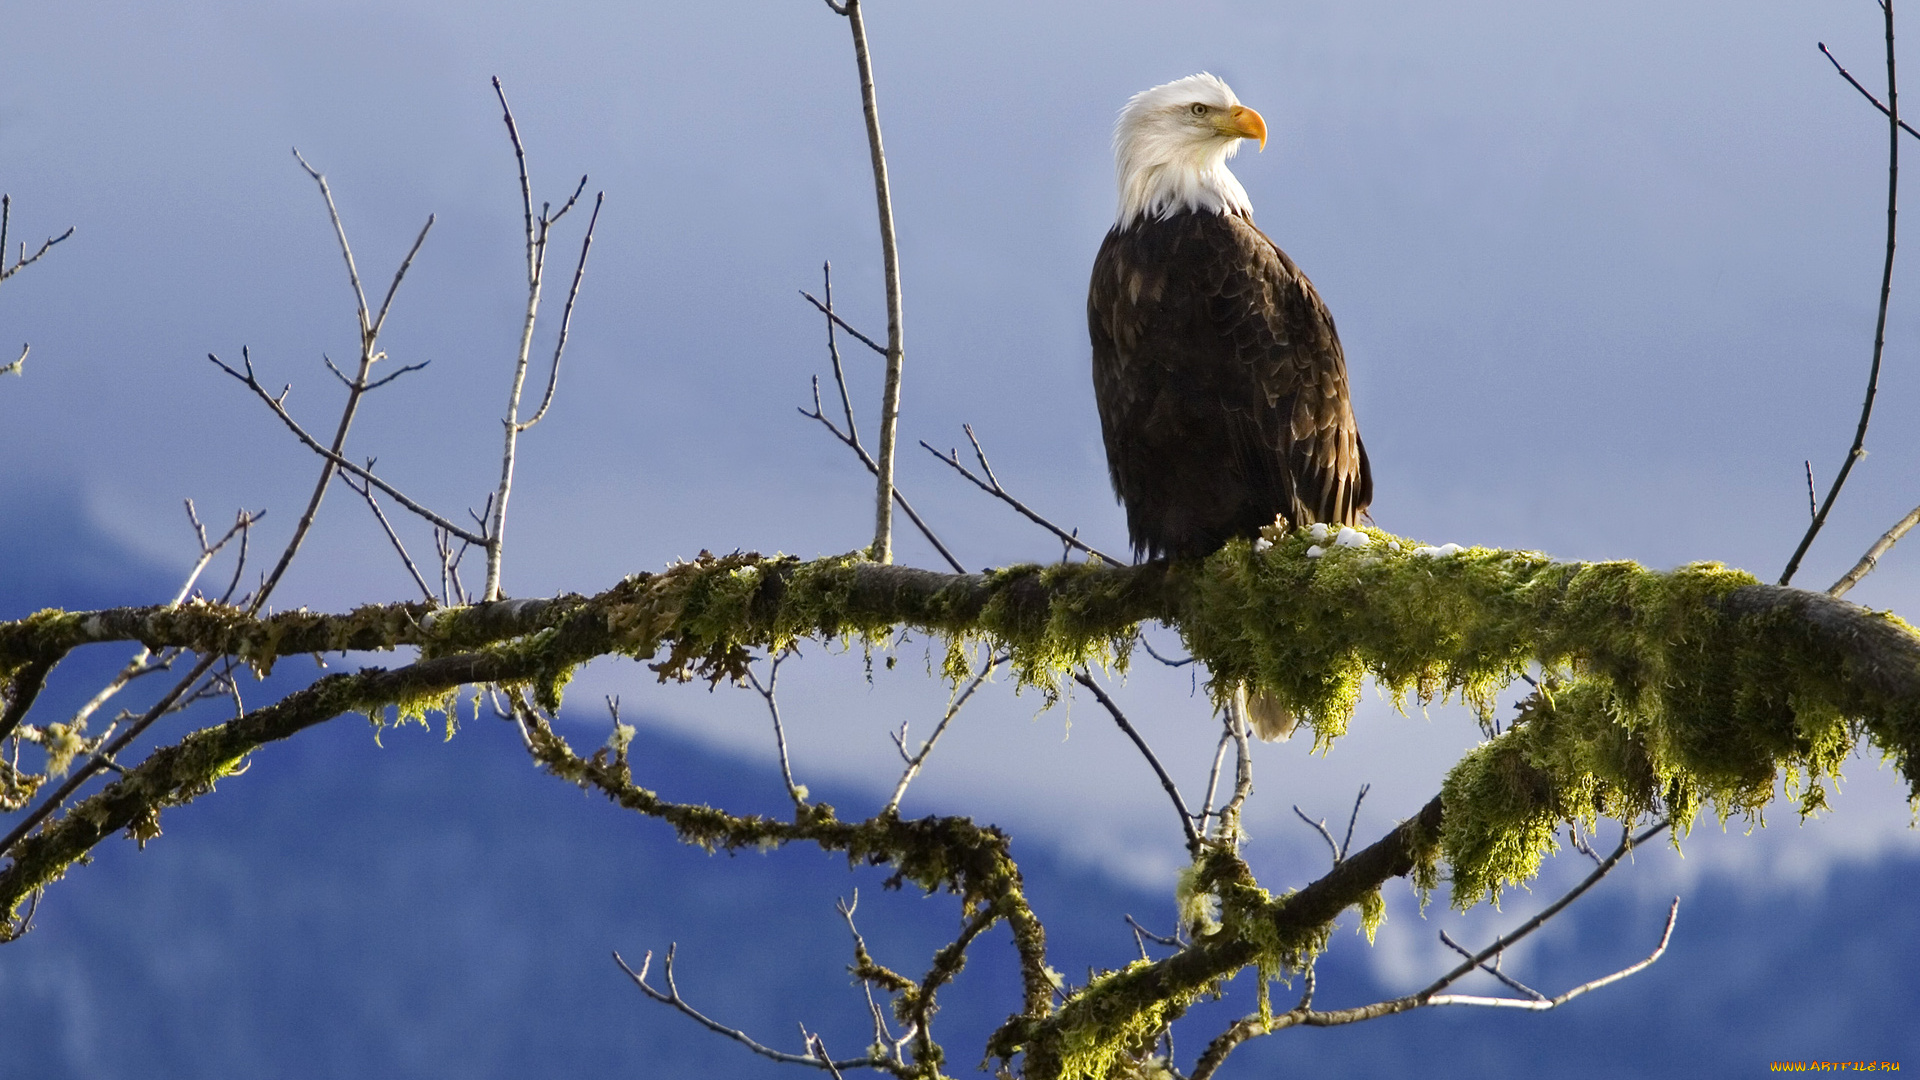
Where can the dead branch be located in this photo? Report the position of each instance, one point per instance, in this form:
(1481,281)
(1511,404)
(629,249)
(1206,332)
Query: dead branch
(1858,449)
(1213,775)
(916,761)
(333,458)
(834,317)
(22,260)
(182,691)
(1864,92)
(1492,969)
(140,665)
(1187,818)
(1251,1027)
(672,998)
(991,485)
(365,491)
(1872,558)
(1227,819)
(1320,827)
(538,231)
(794,791)
(882,551)
(566,315)
(851,437)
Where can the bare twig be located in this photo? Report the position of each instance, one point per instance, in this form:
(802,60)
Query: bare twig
(1173,792)
(991,485)
(566,316)
(1227,820)
(94,764)
(1864,92)
(536,240)
(1858,449)
(407,370)
(335,461)
(1253,1026)
(817,1048)
(1493,969)
(1872,558)
(833,350)
(1347,843)
(1580,844)
(23,260)
(766,692)
(882,550)
(1542,1003)
(953,709)
(851,441)
(393,287)
(365,491)
(369,355)
(1628,841)
(672,997)
(870,973)
(539,230)
(140,665)
(1151,651)
(346,249)
(1321,828)
(452,589)
(1213,775)
(1142,935)
(31,681)
(834,318)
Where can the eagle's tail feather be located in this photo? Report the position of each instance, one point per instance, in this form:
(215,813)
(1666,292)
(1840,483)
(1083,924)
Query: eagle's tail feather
(1270,718)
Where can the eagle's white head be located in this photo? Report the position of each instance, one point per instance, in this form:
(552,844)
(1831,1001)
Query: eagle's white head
(1171,145)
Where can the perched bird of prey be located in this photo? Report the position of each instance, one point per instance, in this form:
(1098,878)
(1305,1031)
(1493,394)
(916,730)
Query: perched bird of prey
(1221,385)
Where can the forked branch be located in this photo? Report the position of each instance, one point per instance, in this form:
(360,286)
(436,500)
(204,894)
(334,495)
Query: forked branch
(1253,1026)
(538,232)
(850,438)
(22,260)
(1858,450)
(882,550)
(671,996)
(917,760)
(332,456)
(991,485)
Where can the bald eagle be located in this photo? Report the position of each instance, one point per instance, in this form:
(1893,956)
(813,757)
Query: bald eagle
(1220,381)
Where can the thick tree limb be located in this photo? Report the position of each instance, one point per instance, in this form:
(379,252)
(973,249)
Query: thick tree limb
(1873,655)
(1730,679)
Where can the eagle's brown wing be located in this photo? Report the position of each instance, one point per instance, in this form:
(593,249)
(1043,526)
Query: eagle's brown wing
(1221,385)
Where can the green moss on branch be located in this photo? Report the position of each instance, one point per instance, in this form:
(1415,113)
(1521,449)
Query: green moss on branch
(1685,689)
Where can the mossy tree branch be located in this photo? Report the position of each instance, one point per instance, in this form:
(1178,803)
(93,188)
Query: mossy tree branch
(1699,674)
(1664,690)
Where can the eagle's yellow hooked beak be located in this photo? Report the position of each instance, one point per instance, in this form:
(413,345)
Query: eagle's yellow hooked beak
(1246,124)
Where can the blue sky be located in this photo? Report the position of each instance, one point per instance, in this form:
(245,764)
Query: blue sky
(1605,276)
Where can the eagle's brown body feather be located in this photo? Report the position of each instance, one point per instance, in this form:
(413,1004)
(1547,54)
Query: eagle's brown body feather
(1221,386)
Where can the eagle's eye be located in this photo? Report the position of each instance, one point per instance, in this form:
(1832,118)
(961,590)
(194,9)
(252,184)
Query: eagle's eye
(1199,109)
